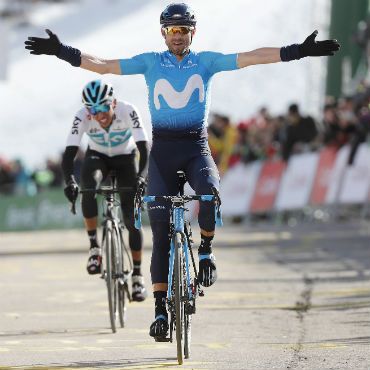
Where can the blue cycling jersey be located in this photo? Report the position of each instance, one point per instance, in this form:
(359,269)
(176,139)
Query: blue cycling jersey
(178,91)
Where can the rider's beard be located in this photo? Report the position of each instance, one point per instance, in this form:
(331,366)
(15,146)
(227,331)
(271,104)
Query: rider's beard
(178,52)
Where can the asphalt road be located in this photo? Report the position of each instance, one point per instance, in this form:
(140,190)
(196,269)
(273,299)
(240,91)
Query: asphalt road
(286,298)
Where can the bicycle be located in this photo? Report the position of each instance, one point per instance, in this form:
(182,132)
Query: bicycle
(116,268)
(183,285)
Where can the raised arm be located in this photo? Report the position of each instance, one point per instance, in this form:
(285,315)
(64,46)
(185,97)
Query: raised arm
(52,46)
(100,65)
(259,56)
(310,47)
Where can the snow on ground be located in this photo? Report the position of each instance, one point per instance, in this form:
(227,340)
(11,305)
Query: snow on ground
(41,93)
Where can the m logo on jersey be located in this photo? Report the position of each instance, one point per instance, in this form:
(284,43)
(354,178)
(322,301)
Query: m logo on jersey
(175,99)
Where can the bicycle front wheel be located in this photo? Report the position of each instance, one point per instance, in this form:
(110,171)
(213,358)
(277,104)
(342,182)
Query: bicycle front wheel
(179,294)
(112,282)
(122,286)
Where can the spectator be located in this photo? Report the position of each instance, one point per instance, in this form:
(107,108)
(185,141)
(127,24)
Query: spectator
(6,177)
(298,129)
(221,138)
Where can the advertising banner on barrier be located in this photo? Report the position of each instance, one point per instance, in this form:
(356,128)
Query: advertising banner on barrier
(237,187)
(337,175)
(356,180)
(48,209)
(267,186)
(296,183)
(322,179)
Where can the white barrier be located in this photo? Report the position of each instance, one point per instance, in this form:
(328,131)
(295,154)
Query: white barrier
(296,184)
(242,185)
(337,174)
(356,182)
(236,188)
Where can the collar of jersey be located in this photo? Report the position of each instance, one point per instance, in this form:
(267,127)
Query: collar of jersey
(174,60)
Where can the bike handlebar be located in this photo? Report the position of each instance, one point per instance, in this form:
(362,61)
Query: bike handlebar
(103,190)
(108,190)
(178,199)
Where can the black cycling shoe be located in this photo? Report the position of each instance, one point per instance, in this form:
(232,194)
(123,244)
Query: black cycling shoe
(159,327)
(207,275)
(94,261)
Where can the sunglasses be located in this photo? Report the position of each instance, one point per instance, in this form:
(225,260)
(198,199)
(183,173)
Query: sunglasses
(99,108)
(183,30)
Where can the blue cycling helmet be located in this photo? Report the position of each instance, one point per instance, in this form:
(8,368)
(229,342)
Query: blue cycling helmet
(96,93)
(178,14)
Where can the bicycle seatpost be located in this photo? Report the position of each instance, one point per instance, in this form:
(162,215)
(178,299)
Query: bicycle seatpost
(182,181)
(113,178)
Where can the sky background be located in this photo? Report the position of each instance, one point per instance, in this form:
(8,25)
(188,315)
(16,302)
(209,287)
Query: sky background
(41,94)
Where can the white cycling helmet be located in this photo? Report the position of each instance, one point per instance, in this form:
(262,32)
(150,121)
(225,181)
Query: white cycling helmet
(97,93)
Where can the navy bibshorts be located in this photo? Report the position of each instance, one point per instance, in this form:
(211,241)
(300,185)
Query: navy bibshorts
(191,154)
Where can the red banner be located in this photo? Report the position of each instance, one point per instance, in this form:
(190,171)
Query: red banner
(322,178)
(267,186)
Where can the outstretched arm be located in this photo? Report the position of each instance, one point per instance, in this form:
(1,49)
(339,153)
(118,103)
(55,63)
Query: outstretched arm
(259,56)
(99,65)
(310,47)
(52,46)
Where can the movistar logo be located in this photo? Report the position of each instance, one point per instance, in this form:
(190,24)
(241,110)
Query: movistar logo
(175,99)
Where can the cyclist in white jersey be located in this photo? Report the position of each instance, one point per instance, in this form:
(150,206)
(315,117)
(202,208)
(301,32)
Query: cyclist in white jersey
(115,133)
(178,81)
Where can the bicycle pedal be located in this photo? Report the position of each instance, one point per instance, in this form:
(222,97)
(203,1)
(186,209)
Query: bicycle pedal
(162,339)
(201,293)
(190,308)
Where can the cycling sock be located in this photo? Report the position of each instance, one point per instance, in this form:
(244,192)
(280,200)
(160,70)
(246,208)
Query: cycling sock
(160,303)
(205,244)
(93,239)
(137,268)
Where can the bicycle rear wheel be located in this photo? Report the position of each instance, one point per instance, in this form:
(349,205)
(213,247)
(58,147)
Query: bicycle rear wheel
(112,282)
(179,293)
(187,331)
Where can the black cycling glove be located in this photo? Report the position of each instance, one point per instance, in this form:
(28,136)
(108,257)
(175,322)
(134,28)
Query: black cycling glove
(48,46)
(312,48)
(140,185)
(71,190)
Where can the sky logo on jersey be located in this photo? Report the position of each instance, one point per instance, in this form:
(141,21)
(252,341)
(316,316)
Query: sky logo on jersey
(175,99)
(113,139)
(117,138)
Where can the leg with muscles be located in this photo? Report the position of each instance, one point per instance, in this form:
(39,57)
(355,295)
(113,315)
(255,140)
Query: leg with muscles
(126,166)
(92,173)
(202,175)
(160,183)
(159,272)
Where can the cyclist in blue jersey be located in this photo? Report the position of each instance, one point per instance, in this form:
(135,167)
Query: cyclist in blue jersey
(178,82)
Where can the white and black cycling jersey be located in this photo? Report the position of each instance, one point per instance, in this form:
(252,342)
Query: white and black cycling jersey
(119,138)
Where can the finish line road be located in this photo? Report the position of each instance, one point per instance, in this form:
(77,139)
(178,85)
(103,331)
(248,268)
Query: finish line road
(286,298)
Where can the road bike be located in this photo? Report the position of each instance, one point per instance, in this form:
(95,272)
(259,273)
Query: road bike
(183,285)
(117,266)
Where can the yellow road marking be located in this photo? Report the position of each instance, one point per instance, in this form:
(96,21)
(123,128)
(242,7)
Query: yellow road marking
(282,307)
(161,366)
(331,345)
(299,347)
(218,345)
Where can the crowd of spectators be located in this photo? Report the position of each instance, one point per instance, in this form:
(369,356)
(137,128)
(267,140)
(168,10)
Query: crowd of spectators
(16,179)
(263,136)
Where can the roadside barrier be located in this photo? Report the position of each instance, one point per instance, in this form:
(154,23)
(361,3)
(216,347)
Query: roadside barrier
(309,179)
